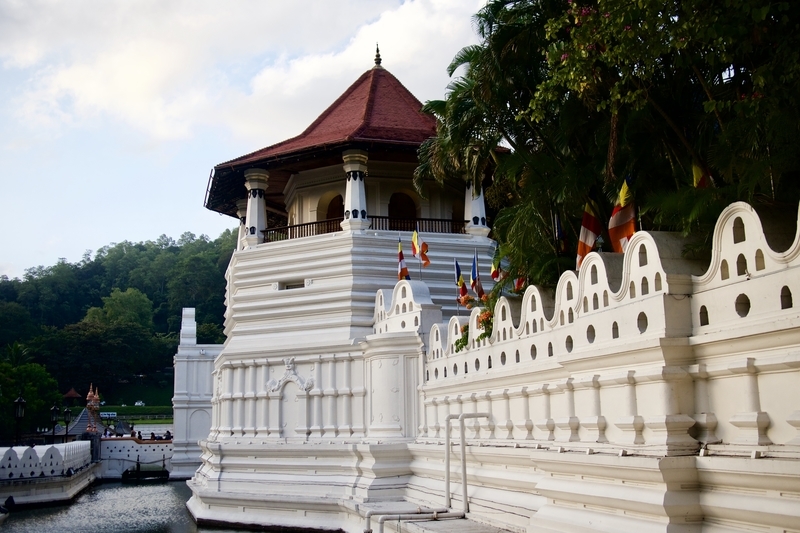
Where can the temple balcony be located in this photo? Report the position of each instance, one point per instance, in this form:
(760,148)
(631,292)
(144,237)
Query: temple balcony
(379,223)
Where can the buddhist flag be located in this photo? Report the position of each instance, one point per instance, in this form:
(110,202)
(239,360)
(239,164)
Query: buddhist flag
(462,287)
(497,273)
(475,278)
(700,176)
(590,230)
(419,249)
(402,269)
(622,225)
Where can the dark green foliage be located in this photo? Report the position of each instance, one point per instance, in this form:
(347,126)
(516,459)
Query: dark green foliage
(210,334)
(15,323)
(587,92)
(113,320)
(39,390)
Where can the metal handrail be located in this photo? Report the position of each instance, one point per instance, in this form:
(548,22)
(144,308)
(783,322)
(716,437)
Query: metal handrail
(381,223)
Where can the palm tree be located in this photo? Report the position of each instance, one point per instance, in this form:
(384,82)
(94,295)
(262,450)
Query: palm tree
(16,355)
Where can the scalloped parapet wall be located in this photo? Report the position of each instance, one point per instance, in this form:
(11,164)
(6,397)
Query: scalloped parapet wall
(28,462)
(643,352)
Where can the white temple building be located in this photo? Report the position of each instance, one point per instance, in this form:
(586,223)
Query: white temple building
(646,393)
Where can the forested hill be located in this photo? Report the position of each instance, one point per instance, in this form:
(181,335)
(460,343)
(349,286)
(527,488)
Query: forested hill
(114,315)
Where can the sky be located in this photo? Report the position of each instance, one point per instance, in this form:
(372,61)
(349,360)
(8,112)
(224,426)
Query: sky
(113,112)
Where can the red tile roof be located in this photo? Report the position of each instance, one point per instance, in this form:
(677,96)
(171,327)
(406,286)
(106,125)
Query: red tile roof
(376,108)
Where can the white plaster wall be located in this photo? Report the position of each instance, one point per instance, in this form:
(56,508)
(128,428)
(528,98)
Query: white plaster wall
(624,412)
(120,454)
(24,462)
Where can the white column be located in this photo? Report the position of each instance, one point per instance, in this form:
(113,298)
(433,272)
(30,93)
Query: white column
(507,425)
(226,426)
(435,426)
(241,212)
(594,424)
(330,395)
(262,412)
(316,399)
(475,213)
(706,420)
(544,424)
(346,428)
(751,421)
(250,400)
(525,425)
(355,201)
(568,424)
(239,370)
(256,183)
(630,423)
(668,431)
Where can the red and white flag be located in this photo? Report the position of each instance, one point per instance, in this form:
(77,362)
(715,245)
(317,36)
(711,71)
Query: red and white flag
(402,269)
(590,230)
(622,225)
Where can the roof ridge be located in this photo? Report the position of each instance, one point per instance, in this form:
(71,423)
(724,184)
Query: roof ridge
(353,116)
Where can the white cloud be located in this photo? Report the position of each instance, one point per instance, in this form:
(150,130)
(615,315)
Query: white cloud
(112,112)
(261,70)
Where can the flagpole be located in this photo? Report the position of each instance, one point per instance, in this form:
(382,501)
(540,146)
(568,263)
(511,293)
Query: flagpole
(419,252)
(458,292)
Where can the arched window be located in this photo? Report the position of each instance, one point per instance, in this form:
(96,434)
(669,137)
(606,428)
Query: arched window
(402,212)
(335,208)
(786,298)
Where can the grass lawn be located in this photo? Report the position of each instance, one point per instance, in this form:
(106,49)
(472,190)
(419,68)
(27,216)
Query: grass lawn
(129,393)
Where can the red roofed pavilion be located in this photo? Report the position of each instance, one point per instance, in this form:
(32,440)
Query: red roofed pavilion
(376,114)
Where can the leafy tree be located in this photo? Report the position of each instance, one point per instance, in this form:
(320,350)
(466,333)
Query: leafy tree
(672,94)
(210,334)
(39,390)
(128,307)
(196,282)
(16,355)
(101,353)
(16,323)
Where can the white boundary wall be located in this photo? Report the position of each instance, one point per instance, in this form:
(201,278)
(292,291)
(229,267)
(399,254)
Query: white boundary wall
(645,393)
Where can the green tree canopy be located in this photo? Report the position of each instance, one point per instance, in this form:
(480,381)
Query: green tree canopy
(39,390)
(128,307)
(671,95)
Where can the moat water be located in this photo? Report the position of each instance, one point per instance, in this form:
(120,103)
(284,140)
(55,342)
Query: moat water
(114,507)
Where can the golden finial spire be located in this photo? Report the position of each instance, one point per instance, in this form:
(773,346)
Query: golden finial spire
(377,55)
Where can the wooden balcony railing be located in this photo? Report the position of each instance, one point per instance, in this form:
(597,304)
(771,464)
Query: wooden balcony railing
(423,225)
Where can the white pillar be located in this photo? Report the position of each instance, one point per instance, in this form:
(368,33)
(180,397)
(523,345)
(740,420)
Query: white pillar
(594,424)
(568,425)
(705,419)
(256,183)
(330,395)
(475,213)
(250,400)
(346,428)
(525,425)
(544,424)
(241,212)
(355,201)
(262,412)
(631,423)
(751,421)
